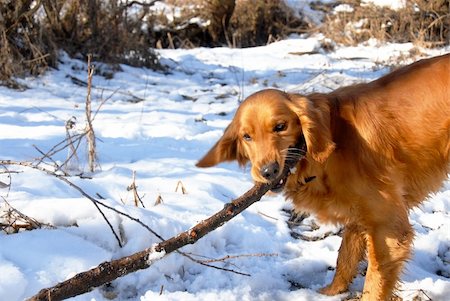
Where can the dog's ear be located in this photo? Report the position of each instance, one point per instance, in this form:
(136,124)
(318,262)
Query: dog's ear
(228,148)
(314,114)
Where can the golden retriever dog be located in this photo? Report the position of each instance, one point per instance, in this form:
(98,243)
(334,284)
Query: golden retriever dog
(373,151)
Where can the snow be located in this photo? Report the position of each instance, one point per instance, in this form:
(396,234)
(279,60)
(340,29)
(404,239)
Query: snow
(182,113)
(302,9)
(392,4)
(155,255)
(343,8)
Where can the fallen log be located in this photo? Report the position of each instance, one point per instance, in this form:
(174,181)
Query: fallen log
(110,270)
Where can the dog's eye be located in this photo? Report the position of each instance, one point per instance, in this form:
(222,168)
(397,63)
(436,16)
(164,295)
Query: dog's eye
(279,127)
(247,137)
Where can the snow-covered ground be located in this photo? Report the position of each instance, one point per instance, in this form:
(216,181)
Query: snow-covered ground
(158,125)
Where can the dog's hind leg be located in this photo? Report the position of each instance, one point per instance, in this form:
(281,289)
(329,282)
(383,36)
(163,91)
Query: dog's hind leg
(389,246)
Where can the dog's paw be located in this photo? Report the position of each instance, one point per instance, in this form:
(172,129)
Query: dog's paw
(331,290)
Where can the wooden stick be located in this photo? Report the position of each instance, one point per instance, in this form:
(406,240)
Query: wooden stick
(90,134)
(110,270)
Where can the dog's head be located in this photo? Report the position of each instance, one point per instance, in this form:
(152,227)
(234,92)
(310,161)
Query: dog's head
(266,125)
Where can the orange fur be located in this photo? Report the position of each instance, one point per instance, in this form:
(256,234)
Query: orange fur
(375,149)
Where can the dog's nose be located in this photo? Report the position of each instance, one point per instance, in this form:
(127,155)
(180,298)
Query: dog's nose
(270,171)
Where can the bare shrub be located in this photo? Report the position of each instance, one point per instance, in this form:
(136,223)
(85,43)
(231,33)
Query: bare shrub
(24,47)
(233,23)
(33,32)
(106,29)
(424,23)
(258,22)
(219,13)
(182,29)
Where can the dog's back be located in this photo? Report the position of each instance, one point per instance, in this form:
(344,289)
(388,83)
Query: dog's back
(404,118)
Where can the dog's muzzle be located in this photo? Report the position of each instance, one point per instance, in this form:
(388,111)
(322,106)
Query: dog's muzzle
(271,171)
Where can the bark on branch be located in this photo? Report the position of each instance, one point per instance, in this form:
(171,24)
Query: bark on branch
(110,270)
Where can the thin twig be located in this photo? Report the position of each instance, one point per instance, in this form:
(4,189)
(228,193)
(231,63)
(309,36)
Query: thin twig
(64,179)
(44,155)
(27,222)
(201,262)
(183,189)
(133,188)
(103,102)
(228,257)
(57,147)
(10,179)
(143,4)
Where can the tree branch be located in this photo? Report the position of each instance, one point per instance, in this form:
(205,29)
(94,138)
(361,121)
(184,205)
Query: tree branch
(108,271)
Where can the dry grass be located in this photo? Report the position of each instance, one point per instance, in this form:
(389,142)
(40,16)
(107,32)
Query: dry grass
(424,23)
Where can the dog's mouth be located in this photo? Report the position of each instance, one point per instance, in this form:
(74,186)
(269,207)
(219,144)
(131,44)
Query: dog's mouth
(278,187)
(296,154)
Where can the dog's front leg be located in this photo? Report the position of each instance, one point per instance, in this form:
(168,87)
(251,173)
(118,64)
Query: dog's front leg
(351,252)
